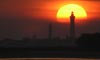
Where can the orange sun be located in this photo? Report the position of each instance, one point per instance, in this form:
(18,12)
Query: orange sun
(64,12)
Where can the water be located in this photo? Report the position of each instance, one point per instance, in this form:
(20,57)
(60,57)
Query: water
(49,59)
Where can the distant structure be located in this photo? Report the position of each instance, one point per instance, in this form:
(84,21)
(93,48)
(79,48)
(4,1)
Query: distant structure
(67,37)
(34,37)
(72,26)
(50,31)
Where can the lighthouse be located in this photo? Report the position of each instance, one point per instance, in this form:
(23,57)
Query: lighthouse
(72,26)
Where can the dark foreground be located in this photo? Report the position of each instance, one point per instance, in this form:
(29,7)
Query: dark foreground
(48,52)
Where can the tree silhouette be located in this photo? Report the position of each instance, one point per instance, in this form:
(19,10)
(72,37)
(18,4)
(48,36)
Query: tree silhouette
(89,41)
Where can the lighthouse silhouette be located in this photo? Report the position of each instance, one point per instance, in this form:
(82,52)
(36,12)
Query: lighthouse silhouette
(72,27)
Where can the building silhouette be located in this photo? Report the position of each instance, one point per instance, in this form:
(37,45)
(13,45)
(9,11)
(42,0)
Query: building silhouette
(72,26)
(50,31)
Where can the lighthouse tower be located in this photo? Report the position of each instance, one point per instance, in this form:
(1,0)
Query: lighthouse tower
(72,26)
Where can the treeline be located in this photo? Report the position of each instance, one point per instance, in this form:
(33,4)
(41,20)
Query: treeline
(26,42)
(85,41)
(89,41)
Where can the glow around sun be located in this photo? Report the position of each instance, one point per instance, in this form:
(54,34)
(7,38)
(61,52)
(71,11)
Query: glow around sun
(65,12)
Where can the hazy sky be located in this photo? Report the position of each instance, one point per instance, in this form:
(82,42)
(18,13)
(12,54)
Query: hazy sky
(21,18)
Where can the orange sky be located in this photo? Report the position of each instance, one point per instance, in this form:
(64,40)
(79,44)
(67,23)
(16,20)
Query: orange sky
(17,17)
(44,8)
(48,9)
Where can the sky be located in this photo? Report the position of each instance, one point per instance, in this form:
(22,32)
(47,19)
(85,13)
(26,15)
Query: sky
(24,18)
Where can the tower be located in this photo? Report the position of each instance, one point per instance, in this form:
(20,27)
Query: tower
(50,31)
(72,26)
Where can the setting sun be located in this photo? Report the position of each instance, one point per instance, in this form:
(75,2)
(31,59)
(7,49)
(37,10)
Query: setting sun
(65,12)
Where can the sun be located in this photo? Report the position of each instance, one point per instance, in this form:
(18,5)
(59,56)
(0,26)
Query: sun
(64,12)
